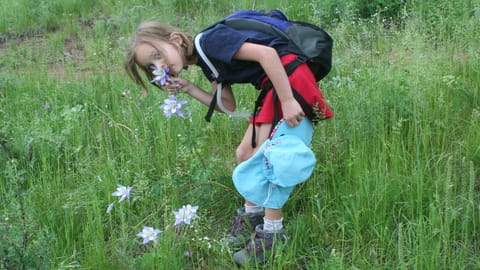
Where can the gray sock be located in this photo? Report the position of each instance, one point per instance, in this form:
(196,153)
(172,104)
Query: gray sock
(272,225)
(253,209)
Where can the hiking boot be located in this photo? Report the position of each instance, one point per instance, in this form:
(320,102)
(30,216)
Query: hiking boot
(243,226)
(261,245)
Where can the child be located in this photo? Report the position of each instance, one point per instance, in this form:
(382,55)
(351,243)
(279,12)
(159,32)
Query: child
(244,57)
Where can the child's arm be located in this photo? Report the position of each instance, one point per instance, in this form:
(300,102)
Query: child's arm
(185,86)
(268,58)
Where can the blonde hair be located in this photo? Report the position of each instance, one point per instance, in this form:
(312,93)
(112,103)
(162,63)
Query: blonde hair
(151,32)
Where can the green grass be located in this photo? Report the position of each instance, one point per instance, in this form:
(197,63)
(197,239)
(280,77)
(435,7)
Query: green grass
(396,183)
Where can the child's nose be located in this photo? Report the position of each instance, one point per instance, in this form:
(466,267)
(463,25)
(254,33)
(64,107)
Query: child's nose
(159,64)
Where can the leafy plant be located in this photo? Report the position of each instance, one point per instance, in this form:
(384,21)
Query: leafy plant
(23,244)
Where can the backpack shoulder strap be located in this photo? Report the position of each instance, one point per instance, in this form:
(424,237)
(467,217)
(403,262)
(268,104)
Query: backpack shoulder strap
(204,56)
(217,96)
(256,25)
(212,68)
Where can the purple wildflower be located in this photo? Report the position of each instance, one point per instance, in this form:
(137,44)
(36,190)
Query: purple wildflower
(185,214)
(161,75)
(110,207)
(173,106)
(149,234)
(123,192)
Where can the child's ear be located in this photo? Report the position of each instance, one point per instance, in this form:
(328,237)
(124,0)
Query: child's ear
(176,37)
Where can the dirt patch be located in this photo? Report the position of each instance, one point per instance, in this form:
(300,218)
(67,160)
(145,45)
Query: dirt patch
(73,50)
(19,37)
(72,54)
(35,33)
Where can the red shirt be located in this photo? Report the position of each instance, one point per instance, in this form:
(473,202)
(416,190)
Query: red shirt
(303,81)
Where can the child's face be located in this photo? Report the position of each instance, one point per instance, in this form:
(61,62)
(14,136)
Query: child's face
(147,55)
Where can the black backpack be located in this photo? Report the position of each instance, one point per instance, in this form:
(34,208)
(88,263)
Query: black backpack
(311,43)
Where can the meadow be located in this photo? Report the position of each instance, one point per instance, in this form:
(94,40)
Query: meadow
(397,180)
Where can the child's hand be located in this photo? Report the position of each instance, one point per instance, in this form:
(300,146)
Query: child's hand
(292,112)
(177,85)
